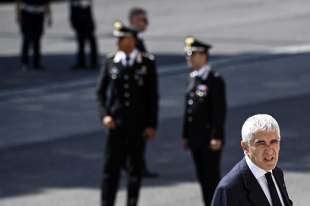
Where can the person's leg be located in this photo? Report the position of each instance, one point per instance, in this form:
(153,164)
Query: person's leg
(25,52)
(93,51)
(114,158)
(80,57)
(26,41)
(201,167)
(37,53)
(38,24)
(135,162)
(211,173)
(81,50)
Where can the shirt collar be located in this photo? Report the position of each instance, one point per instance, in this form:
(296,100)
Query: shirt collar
(120,56)
(203,72)
(257,171)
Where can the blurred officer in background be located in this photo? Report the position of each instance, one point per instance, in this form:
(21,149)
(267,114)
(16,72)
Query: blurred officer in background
(83,24)
(128,104)
(205,111)
(30,16)
(138,21)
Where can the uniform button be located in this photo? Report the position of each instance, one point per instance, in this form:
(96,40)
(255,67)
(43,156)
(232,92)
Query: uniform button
(126,77)
(127,104)
(190,119)
(189,111)
(190,102)
(126,86)
(127,95)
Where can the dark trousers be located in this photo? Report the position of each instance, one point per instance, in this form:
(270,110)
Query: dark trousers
(121,148)
(207,165)
(32,30)
(82,39)
(35,44)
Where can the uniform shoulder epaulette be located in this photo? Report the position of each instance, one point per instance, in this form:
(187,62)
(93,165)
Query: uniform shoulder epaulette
(149,56)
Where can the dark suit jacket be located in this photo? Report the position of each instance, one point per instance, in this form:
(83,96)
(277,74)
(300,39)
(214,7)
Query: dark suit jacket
(240,188)
(205,111)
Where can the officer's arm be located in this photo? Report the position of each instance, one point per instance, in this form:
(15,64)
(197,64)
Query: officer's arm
(218,111)
(103,83)
(152,94)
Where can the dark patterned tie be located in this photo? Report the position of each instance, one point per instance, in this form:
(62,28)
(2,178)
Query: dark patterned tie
(127,58)
(273,191)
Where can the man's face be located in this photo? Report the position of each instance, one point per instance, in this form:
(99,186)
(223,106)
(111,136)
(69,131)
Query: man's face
(263,150)
(196,60)
(126,44)
(139,22)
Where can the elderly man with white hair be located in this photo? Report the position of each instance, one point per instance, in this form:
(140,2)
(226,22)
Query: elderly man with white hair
(255,180)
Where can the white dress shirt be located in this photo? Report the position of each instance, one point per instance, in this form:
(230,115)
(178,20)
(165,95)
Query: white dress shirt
(261,179)
(203,72)
(120,56)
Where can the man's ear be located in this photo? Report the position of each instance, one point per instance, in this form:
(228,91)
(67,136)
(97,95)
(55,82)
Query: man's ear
(244,146)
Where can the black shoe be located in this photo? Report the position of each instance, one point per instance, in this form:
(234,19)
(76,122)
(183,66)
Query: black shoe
(148,174)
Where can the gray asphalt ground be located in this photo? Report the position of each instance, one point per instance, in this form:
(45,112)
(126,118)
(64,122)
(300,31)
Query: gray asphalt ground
(51,142)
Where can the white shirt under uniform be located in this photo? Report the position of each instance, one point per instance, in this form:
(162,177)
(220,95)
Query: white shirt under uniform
(259,174)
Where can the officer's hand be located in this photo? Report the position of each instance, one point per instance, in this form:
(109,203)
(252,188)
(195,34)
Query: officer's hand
(185,144)
(109,122)
(215,144)
(149,133)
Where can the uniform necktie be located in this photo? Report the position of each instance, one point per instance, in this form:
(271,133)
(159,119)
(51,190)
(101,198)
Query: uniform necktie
(273,191)
(127,59)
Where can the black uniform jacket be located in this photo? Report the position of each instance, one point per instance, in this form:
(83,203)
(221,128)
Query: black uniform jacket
(129,94)
(205,110)
(240,188)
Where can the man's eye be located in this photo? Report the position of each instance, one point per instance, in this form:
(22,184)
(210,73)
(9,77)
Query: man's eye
(276,141)
(258,143)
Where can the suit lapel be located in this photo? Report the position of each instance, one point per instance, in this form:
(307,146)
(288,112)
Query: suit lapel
(280,182)
(255,193)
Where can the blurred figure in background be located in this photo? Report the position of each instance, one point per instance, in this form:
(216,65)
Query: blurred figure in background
(204,119)
(138,21)
(83,24)
(128,105)
(30,16)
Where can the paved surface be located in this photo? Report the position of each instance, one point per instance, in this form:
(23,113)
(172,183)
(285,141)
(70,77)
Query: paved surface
(51,143)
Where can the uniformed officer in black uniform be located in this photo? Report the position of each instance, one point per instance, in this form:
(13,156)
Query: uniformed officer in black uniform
(128,99)
(138,21)
(83,24)
(205,111)
(30,15)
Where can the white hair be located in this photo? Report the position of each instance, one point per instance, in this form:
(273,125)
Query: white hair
(258,123)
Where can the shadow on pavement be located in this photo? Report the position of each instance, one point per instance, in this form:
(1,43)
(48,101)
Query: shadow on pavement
(76,161)
(57,70)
